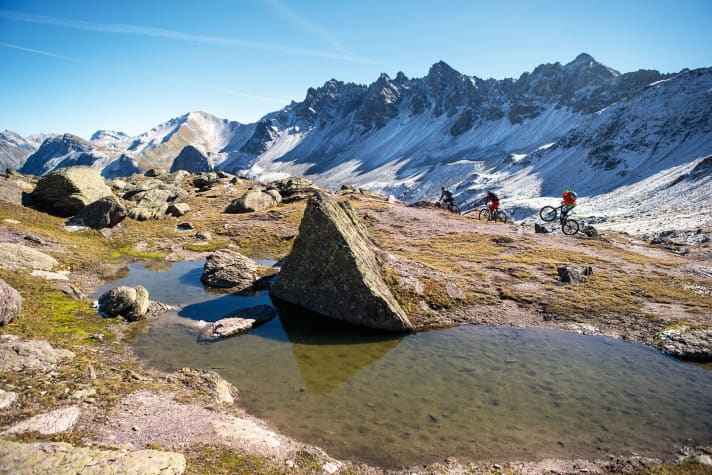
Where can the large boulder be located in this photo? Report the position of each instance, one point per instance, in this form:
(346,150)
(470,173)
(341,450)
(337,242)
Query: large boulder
(106,212)
(10,303)
(254,200)
(130,302)
(152,199)
(229,269)
(333,270)
(66,191)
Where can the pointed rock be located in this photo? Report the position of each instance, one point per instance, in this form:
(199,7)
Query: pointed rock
(333,270)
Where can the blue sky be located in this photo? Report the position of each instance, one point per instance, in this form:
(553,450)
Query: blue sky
(79,66)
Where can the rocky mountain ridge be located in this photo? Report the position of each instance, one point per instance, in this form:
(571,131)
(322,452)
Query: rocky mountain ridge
(580,124)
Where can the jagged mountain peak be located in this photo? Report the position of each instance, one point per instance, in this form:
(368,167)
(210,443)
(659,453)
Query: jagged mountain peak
(583,58)
(110,134)
(442,69)
(586,62)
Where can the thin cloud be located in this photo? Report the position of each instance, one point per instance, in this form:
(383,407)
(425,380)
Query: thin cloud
(154,76)
(176,35)
(44,53)
(303,23)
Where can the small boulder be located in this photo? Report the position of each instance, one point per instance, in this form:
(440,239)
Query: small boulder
(10,303)
(574,274)
(589,231)
(178,209)
(539,229)
(66,191)
(206,180)
(688,343)
(7,398)
(229,269)
(236,323)
(20,355)
(106,212)
(204,235)
(53,422)
(130,302)
(211,383)
(253,200)
(294,188)
(17,256)
(155,172)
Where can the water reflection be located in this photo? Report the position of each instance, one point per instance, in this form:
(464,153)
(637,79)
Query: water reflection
(346,348)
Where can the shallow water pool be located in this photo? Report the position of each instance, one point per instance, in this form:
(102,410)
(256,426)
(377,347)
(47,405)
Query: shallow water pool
(472,392)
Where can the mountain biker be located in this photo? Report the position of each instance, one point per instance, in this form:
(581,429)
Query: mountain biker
(568,202)
(492,201)
(447,198)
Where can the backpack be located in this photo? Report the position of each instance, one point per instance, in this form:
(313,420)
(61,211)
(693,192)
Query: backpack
(493,196)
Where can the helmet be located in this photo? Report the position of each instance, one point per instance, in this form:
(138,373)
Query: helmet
(442,188)
(573,195)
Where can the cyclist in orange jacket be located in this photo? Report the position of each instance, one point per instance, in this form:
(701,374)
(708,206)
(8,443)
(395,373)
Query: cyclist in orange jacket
(568,202)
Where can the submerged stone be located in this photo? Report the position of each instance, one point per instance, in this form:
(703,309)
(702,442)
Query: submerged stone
(333,270)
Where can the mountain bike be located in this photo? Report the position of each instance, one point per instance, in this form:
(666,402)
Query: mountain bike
(568,226)
(453,208)
(499,215)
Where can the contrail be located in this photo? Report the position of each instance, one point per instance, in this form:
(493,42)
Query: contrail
(154,76)
(176,35)
(303,23)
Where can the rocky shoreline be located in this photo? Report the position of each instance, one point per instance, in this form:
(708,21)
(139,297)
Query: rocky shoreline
(114,414)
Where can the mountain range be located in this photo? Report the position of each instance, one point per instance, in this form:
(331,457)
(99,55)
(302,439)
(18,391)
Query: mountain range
(643,135)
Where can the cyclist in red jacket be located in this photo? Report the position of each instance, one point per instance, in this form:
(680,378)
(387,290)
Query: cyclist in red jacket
(492,201)
(568,202)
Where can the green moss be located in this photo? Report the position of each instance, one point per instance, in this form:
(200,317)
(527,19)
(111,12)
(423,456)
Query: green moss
(206,246)
(208,459)
(51,315)
(130,251)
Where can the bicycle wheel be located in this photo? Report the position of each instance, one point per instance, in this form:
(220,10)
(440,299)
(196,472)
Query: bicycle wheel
(570,227)
(484,213)
(548,213)
(500,216)
(455,209)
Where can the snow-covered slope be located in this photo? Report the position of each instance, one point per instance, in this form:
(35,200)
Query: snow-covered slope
(210,135)
(14,149)
(580,125)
